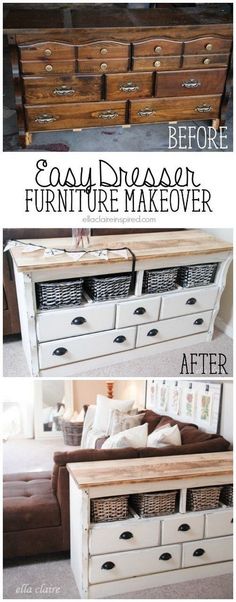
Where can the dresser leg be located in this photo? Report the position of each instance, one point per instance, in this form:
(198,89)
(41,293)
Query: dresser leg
(28,139)
(216,124)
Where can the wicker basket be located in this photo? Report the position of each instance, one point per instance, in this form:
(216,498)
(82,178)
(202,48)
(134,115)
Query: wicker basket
(227,495)
(159,281)
(59,293)
(203,498)
(101,288)
(154,504)
(197,275)
(108,509)
(72,432)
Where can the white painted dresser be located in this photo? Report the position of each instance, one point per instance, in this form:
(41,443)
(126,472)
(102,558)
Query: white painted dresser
(159,550)
(69,341)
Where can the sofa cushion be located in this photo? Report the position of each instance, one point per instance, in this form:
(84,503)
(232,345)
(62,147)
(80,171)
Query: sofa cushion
(153,419)
(29,502)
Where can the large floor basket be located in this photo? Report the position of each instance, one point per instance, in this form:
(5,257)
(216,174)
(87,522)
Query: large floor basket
(227,495)
(159,281)
(203,498)
(72,432)
(108,509)
(197,275)
(101,288)
(154,504)
(57,293)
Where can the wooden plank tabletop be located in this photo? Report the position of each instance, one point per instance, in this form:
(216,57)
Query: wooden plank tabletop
(150,245)
(95,474)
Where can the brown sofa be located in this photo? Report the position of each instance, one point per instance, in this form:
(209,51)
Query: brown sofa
(36,505)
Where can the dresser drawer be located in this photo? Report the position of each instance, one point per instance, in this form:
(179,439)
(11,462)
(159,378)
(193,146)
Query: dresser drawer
(60,323)
(128,85)
(124,536)
(174,109)
(141,311)
(47,67)
(180,304)
(133,563)
(46,51)
(69,116)
(188,83)
(157,46)
(75,88)
(103,65)
(202,60)
(66,351)
(182,528)
(151,63)
(207,551)
(103,50)
(208,45)
(219,523)
(164,330)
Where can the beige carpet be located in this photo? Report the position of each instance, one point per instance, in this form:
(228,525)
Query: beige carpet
(25,455)
(162,364)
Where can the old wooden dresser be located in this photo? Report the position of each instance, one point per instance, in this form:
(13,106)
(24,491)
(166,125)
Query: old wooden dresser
(92,66)
(122,310)
(137,553)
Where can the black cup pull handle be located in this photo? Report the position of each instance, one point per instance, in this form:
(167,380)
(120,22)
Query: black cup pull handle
(126,535)
(119,339)
(199,552)
(165,556)
(78,321)
(59,351)
(108,565)
(152,333)
(184,527)
(191,301)
(199,321)
(140,311)
(232,520)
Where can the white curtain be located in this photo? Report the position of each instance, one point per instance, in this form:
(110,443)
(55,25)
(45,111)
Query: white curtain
(18,405)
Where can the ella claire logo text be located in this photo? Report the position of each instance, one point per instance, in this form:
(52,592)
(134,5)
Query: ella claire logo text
(105,188)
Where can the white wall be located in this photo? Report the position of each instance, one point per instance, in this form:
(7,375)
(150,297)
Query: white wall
(226,428)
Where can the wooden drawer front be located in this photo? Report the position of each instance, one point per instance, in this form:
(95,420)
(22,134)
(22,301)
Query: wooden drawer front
(85,347)
(128,85)
(157,47)
(47,51)
(72,322)
(174,109)
(188,303)
(151,63)
(215,60)
(127,535)
(63,117)
(141,311)
(77,88)
(208,45)
(182,528)
(47,67)
(188,83)
(207,551)
(164,330)
(133,563)
(102,50)
(219,523)
(103,66)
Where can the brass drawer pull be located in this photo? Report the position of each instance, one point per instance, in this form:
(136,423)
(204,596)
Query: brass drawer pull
(63,91)
(146,112)
(103,51)
(47,52)
(108,114)
(157,63)
(48,68)
(129,87)
(206,61)
(158,49)
(203,108)
(45,119)
(191,83)
(209,46)
(104,66)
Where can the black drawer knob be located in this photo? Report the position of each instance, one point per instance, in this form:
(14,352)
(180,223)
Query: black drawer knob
(140,311)
(119,339)
(126,535)
(191,301)
(199,552)
(199,321)
(78,321)
(152,333)
(165,556)
(59,351)
(184,527)
(108,565)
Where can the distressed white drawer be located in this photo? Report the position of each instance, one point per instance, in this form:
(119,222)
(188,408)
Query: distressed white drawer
(164,330)
(189,302)
(62,323)
(219,523)
(126,535)
(182,528)
(110,567)
(137,312)
(207,551)
(66,351)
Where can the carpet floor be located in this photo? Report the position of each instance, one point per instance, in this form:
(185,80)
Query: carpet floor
(26,455)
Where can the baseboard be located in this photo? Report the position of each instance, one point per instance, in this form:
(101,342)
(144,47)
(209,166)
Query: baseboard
(223,327)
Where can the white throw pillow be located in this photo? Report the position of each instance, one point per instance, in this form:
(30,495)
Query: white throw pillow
(122,421)
(135,437)
(169,435)
(102,412)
